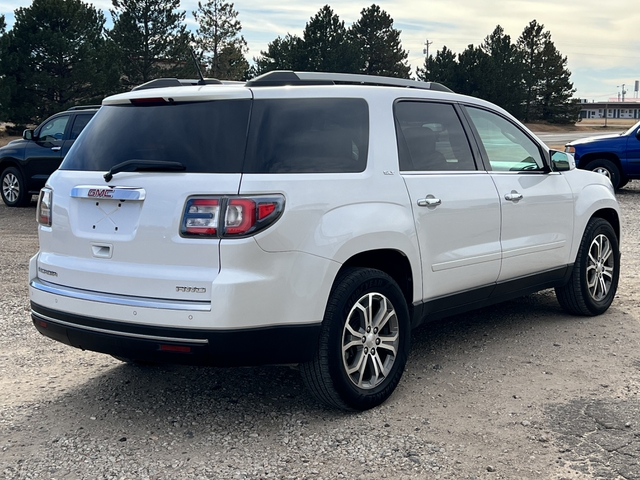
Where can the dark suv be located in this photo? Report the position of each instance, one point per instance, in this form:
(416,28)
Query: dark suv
(26,164)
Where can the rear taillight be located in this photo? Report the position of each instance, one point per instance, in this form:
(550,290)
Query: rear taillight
(43,212)
(201,216)
(225,217)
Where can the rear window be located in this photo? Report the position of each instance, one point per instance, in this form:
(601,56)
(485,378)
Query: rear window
(206,137)
(314,135)
(319,135)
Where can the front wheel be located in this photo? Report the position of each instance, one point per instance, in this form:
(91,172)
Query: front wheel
(594,279)
(13,191)
(608,169)
(364,342)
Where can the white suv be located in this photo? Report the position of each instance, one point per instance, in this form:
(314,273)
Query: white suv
(308,218)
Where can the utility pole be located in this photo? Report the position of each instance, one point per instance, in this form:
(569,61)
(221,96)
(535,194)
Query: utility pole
(426,52)
(623,92)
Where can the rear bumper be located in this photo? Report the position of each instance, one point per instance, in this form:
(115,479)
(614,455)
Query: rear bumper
(250,346)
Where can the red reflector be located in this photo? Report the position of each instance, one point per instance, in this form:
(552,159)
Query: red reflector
(175,348)
(265,209)
(43,324)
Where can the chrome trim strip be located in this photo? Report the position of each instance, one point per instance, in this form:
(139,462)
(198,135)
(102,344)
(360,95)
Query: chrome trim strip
(202,341)
(186,305)
(106,192)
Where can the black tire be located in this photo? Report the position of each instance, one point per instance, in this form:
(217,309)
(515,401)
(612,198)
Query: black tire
(623,182)
(608,169)
(327,376)
(13,189)
(594,280)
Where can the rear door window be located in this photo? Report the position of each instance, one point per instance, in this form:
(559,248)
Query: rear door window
(78,125)
(206,137)
(313,135)
(431,138)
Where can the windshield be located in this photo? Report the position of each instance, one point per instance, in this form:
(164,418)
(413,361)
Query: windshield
(632,130)
(205,137)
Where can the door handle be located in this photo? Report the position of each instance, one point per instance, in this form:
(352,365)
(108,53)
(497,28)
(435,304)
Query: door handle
(56,149)
(429,201)
(513,196)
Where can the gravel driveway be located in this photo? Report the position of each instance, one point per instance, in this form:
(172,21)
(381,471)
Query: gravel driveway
(519,390)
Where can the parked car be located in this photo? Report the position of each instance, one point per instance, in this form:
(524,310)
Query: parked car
(312,219)
(616,156)
(26,164)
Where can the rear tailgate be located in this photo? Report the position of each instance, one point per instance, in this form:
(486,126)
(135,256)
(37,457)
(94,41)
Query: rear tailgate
(130,246)
(121,234)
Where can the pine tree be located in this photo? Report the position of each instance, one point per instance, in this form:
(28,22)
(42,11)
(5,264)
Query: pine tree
(443,68)
(471,72)
(379,44)
(325,44)
(503,77)
(549,90)
(151,39)
(53,57)
(219,40)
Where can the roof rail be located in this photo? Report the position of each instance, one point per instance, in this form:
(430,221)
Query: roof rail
(83,107)
(176,82)
(288,77)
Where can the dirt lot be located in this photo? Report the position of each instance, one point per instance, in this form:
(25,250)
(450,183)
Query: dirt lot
(520,390)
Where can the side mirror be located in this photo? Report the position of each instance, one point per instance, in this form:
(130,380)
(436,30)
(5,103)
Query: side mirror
(561,161)
(638,134)
(27,135)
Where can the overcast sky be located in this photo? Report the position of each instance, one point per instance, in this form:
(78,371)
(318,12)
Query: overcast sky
(600,39)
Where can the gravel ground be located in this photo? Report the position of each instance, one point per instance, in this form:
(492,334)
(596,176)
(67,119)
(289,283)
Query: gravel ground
(518,390)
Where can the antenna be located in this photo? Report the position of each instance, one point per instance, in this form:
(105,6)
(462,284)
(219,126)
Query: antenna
(195,61)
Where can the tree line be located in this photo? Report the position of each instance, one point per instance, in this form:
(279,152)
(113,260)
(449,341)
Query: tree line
(59,53)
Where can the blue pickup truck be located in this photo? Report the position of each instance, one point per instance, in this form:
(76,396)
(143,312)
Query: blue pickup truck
(617,156)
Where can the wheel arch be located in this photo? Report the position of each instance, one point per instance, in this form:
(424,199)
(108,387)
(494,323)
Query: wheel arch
(611,216)
(393,262)
(590,157)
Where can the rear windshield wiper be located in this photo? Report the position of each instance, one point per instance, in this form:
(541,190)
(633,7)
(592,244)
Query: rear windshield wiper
(143,165)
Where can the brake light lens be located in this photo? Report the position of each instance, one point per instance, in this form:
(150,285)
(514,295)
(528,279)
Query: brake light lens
(570,149)
(224,217)
(43,212)
(240,216)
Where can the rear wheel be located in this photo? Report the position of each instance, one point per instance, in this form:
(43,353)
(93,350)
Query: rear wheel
(608,169)
(594,280)
(364,342)
(13,189)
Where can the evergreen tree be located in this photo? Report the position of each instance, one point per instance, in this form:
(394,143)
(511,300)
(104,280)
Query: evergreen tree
(282,54)
(531,44)
(151,39)
(325,44)
(549,90)
(471,72)
(5,89)
(379,44)
(503,83)
(52,58)
(219,40)
(441,69)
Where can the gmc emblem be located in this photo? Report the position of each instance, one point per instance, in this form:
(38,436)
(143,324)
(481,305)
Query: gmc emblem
(100,193)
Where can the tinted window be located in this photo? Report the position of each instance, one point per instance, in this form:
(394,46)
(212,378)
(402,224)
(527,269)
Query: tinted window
(206,137)
(431,138)
(308,135)
(78,125)
(53,129)
(506,146)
